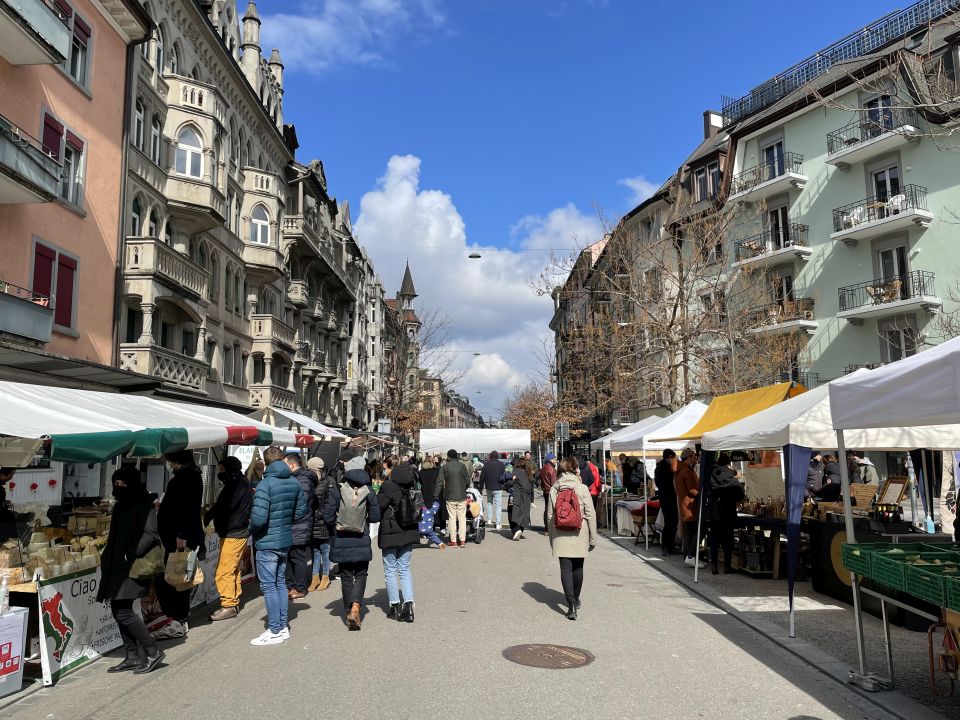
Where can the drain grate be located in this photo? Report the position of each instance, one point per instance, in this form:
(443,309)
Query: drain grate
(614,585)
(549,657)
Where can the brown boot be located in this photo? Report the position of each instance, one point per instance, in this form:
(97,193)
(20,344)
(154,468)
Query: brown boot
(324,583)
(353,617)
(314,584)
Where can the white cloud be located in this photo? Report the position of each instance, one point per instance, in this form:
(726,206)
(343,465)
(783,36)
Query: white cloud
(490,304)
(325,34)
(640,188)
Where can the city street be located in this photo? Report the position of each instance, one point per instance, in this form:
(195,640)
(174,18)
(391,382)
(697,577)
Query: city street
(659,652)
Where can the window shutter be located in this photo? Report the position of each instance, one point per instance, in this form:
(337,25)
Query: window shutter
(66,12)
(66,277)
(52,136)
(81,29)
(75,141)
(43,261)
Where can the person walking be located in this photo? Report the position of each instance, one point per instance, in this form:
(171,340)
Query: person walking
(455,480)
(490,475)
(350,509)
(133,534)
(687,485)
(300,555)
(399,533)
(279,500)
(571,544)
(231,521)
(667,494)
(726,492)
(548,476)
(322,534)
(521,492)
(180,526)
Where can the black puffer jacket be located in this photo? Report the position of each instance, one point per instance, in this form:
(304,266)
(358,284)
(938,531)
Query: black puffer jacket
(321,531)
(351,548)
(231,512)
(428,484)
(302,530)
(725,493)
(179,515)
(133,532)
(392,535)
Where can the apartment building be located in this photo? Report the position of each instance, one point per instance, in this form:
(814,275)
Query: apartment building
(63,66)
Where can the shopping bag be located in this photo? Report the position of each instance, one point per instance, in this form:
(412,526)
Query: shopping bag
(150,565)
(181,570)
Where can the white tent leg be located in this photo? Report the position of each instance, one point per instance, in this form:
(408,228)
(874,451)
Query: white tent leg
(927,491)
(696,548)
(646,493)
(851,538)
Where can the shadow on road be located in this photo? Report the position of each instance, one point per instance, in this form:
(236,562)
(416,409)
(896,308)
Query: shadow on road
(546,596)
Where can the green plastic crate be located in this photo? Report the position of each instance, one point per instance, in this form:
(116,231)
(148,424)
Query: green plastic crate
(856,558)
(951,586)
(926,582)
(891,570)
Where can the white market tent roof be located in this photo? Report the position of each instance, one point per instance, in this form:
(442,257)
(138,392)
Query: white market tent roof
(674,425)
(276,415)
(920,390)
(634,429)
(474,441)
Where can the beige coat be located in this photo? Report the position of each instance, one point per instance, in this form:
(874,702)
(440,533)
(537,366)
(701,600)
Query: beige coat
(572,543)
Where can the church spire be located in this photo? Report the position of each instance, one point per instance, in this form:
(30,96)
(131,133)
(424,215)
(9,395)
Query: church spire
(407,291)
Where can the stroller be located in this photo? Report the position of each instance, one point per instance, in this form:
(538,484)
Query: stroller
(476,525)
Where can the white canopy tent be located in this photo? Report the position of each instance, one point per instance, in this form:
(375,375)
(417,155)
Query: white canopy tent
(675,424)
(633,429)
(473,441)
(277,416)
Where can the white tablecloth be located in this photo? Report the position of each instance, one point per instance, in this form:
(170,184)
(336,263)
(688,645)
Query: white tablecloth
(624,519)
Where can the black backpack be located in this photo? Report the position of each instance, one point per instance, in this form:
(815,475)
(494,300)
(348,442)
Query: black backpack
(408,510)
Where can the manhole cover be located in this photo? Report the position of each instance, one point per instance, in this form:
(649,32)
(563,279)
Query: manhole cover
(551,657)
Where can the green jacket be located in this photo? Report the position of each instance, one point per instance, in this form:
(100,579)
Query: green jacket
(455,480)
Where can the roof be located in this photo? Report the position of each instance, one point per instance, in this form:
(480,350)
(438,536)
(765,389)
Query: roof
(391,303)
(406,287)
(411,317)
(33,365)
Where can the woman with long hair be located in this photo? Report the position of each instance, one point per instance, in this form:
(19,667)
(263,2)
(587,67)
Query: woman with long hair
(399,533)
(571,544)
(520,485)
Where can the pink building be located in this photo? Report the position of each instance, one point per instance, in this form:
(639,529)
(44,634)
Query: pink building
(64,90)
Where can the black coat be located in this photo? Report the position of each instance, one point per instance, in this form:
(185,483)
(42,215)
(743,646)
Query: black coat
(391,534)
(351,548)
(180,511)
(521,490)
(133,533)
(428,485)
(231,512)
(725,493)
(490,475)
(302,529)
(814,476)
(663,479)
(321,531)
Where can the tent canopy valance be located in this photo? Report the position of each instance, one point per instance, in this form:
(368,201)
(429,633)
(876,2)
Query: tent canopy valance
(677,423)
(278,416)
(633,429)
(88,426)
(474,441)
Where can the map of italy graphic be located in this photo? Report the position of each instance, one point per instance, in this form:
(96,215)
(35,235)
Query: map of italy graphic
(57,624)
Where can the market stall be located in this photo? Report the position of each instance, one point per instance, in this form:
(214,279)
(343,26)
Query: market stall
(474,441)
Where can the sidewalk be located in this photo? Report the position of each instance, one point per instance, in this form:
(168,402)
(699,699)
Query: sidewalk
(824,627)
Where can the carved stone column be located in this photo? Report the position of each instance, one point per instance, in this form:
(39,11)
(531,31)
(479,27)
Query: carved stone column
(146,335)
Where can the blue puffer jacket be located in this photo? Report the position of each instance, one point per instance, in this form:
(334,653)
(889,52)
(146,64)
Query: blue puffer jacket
(351,548)
(276,503)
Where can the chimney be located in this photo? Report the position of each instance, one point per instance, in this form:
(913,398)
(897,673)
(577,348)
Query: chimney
(712,122)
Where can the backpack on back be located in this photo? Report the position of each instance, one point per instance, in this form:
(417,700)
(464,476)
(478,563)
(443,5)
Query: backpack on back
(408,510)
(352,514)
(566,512)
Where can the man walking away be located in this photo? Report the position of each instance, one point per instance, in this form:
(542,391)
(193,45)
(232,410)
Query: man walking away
(490,475)
(298,561)
(667,493)
(455,480)
(277,502)
(548,476)
(687,485)
(322,533)
(231,520)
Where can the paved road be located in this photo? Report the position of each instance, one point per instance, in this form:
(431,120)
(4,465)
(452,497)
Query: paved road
(660,653)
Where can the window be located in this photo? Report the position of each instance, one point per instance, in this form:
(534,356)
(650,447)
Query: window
(879,115)
(238,293)
(886,182)
(55,275)
(228,221)
(138,125)
(772,160)
(898,340)
(174,59)
(228,287)
(782,288)
(71,179)
(892,268)
(188,344)
(706,182)
(189,153)
(213,286)
(134,325)
(158,58)
(52,137)
(778,227)
(152,224)
(136,217)
(211,350)
(168,233)
(79,51)
(259,226)
(258,369)
(155,140)
(624,416)
(227,373)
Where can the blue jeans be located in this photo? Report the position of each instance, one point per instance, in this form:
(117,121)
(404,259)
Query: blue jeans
(494,502)
(321,558)
(396,561)
(271,569)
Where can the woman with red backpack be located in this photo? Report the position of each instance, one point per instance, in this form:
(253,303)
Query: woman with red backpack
(573,529)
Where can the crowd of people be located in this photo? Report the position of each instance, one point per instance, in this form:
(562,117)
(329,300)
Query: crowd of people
(302,518)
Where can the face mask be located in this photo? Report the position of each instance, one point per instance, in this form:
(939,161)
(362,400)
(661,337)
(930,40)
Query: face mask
(121,493)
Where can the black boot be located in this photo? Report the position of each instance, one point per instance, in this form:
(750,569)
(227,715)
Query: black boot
(407,614)
(131,661)
(394,612)
(714,569)
(572,612)
(150,663)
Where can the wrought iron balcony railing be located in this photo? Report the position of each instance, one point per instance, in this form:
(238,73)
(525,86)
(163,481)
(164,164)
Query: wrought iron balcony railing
(878,207)
(870,123)
(751,177)
(918,283)
(770,240)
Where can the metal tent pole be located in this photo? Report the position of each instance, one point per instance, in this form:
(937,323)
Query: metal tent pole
(927,493)
(646,494)
(851,538)
(783,477)
(696,549)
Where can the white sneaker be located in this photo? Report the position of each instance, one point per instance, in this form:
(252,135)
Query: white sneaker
(692,562)
(268,638)
(499,526)
(517,534)
(285,633)
(171,630)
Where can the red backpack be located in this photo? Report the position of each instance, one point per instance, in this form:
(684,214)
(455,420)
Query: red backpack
(566,511)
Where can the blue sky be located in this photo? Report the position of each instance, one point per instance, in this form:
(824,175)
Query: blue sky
(517,119)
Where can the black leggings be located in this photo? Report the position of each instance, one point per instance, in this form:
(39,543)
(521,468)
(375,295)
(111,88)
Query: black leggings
(353,582)
(571,577)
(174,603)
(132,629)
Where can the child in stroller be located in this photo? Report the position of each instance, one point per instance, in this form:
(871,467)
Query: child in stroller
(476,525)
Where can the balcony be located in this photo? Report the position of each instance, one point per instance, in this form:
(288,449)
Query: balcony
(197,196)
(198,97)
(32,33)
(788,316)
(875,216)
(773,246)
(27,173)
(302,355)
(852,368)
(269,395)
(759,182)
(175,370)
(887,296)
(152,258)
(267,328)
(315,309)
(264,262)
(873,133)
(256,180)
(297,294)
(25,314)
(314,363)
(338,375)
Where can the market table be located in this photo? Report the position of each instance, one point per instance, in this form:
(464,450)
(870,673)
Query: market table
(623,514)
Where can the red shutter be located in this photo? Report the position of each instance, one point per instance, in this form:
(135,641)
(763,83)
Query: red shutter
(43,261)
(66,276)
(74,141)
(81,29)
(52,135)
(65,10)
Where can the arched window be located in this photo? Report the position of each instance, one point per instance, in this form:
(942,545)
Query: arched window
(228,287)
(145,47)
(168,233)
(248,155)
(213,287)
(136,217)
(138,125)
(259,226)
(152,224)
(159,57)
(238,293)
(201,258)
(155,140)
(260,161)
(175,59)
(189,153)
(196,74)
(242,149)
(234,142)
